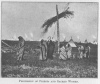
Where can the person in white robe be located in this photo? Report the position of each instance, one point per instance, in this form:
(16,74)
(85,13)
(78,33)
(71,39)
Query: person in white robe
(81,51)
(69,51)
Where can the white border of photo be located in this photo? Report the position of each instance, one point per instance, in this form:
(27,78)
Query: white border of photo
(48,80)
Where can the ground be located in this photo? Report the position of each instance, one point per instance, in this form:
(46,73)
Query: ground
(32,67)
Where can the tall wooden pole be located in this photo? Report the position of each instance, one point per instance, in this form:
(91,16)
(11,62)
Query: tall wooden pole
(58,35)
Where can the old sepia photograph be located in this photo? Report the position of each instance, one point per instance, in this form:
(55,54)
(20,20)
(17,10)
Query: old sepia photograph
(49,39)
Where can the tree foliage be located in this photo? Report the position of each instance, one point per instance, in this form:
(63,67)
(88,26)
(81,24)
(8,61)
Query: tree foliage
(49,22)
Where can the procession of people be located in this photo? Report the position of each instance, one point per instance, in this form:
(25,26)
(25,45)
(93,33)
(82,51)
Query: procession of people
(47,48)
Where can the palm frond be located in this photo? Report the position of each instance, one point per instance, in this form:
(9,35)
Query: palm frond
(48,23)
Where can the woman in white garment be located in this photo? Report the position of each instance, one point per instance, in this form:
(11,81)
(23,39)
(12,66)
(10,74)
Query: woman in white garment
(69,51)
(81,51)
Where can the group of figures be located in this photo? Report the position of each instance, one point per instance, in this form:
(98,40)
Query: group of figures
(84,51)
(66,52)
(47,50)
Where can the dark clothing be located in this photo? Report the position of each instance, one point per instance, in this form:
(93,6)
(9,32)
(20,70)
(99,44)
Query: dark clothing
(50,49)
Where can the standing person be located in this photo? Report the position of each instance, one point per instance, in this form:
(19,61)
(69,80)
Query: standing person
(43,50)
(69,50)
(50,48)
(81,51)
(63,52)
(21,45)
(87,51)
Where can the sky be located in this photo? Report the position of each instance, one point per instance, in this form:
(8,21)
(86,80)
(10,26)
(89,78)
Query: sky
(26,18)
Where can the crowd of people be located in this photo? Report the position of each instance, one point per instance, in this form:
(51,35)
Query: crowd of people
(47,50)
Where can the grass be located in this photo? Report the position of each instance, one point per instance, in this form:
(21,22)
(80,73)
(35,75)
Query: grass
(31,67)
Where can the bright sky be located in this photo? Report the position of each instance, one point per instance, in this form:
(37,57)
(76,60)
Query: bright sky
(25,19)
